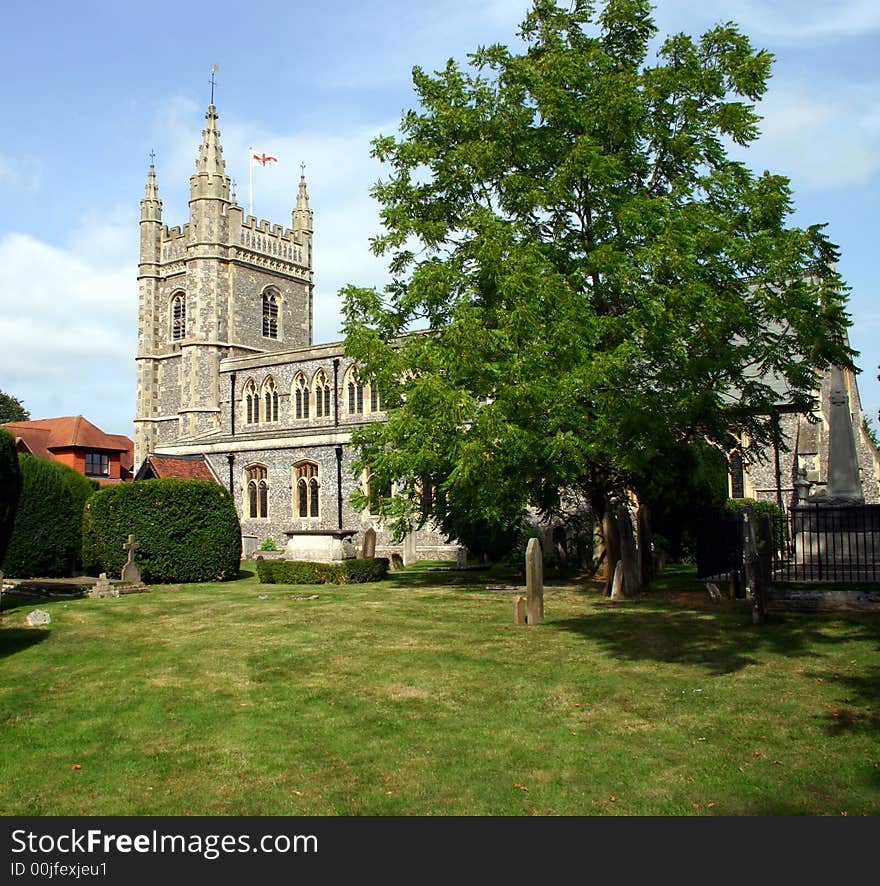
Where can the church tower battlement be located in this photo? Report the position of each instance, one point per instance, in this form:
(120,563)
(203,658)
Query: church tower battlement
(221,285)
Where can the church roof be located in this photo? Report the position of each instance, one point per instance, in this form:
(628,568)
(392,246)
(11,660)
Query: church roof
(180,467)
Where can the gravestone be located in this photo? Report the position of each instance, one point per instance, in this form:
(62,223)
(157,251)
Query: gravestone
(520,610)
(617,582)
(368,550)
(103,587)
(38,617)
(130,571)
(534,582)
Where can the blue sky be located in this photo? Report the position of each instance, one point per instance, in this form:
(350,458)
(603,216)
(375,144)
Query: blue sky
(87,90)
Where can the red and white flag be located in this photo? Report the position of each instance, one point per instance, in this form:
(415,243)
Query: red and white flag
(262,158)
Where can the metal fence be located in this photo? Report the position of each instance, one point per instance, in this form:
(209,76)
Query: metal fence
(809,543)
(820,543)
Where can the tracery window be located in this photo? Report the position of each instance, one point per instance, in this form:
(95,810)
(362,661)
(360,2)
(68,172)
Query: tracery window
(257,487)
(252,403)
(301,396)
(270,400)
(306,486)
(322,394)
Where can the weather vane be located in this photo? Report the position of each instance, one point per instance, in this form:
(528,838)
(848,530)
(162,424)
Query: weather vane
(213,71)
(152,157)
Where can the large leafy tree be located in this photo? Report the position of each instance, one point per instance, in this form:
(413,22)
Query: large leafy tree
(597,280)
(11,409)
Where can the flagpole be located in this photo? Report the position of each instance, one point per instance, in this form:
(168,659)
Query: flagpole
(250,181)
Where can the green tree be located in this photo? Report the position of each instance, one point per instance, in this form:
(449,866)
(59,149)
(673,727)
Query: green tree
(598,281)
(11,409)
(44,535)
(10,489)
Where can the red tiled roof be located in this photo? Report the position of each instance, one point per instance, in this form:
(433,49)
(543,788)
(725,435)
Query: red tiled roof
(67,431)
(180,467)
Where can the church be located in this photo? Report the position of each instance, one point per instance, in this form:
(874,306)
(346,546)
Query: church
(230,384)
(229,379)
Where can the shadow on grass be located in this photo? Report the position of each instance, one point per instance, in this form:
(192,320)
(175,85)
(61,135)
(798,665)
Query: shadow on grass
(14,640)
(722,642)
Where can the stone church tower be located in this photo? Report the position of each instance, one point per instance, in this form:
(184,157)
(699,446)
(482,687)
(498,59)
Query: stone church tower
(224,285)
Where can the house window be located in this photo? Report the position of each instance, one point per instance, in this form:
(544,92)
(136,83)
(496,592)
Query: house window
(252,403)
(178,317)
(270,315)
(97,464)
(306,498)
(322,395)
(301,397)
(270,399)
(257,486)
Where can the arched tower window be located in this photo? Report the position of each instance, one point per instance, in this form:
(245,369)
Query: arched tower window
(270,314)
(306,486)
(178,317)
(257,492)
(300,397)
(322,394)
(252,403)
(270,400)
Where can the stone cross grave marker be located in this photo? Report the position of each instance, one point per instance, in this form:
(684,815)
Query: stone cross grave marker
(534,581)
(368,551)
(130,571)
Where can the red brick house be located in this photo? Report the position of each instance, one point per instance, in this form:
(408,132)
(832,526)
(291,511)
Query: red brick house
(77,443)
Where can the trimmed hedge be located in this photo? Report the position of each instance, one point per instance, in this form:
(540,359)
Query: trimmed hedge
(10,489)
(304,572)
(186,530)
(45,537)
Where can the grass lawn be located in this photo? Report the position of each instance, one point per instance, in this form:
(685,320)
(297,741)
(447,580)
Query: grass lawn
(420,696)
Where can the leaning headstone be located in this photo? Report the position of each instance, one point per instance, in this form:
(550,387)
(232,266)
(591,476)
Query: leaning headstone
(520,610)
(461,557)
(534,581)
(714,593)
(368,550)
(617,582)
(38,617)
(396,561)
(131,572)
(409,549)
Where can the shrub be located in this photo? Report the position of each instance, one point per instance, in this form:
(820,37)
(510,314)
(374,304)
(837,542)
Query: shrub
(10,489)
(186,530)
(81,489)
(43,542)
(268,545)
(304,572)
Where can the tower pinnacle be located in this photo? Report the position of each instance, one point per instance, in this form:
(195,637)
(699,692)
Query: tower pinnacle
(302,215)
(151,205)
(210,179)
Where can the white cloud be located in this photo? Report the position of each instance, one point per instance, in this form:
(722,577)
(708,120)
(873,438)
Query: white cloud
(68,328)
(819,141)
(795,20)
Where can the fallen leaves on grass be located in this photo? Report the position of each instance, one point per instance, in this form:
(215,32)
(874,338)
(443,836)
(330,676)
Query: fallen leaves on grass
(522,787)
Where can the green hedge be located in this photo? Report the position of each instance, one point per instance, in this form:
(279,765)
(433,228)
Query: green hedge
(10,488)
(45,537)
(303,572)
(186,530)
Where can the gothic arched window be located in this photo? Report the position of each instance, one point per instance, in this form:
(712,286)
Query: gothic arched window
(252,403)
(270,314)
(270,399)
(178,317)
(355,393)
(257,487)
(300,397)
(306,486)
(322,394)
